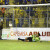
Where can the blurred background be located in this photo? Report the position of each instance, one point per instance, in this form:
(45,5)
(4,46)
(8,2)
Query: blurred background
(18,2)
(34,16)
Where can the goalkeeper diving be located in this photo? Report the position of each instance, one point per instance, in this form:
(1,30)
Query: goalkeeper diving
(32,38)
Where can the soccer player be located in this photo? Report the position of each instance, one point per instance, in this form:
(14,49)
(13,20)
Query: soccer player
(32,38)
(27,39)
(36,37)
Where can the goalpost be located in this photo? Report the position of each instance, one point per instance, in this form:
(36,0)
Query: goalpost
(31,11)
(25,5)
(38,19)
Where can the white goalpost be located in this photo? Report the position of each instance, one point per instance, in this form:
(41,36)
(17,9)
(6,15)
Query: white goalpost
(25,5)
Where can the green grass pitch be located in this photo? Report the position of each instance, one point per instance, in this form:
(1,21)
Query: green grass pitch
(20,45)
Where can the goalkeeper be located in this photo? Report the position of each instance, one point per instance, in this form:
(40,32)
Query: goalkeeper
(36,37)
(32,38)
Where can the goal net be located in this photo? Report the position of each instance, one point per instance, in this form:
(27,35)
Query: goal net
(36,15)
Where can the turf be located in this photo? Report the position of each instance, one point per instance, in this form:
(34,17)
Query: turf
(20,45)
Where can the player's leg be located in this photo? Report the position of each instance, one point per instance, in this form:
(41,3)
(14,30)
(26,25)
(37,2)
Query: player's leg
(21,39)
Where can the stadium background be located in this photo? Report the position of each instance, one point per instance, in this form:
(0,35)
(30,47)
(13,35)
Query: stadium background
(32,17)
(26,16)
(35,16)
(14,2)
(38,16)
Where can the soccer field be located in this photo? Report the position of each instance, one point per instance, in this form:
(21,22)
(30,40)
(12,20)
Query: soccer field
(20,45)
